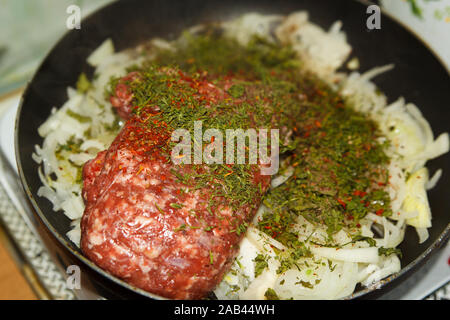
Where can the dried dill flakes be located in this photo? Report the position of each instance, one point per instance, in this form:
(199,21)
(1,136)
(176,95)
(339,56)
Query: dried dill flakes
(79,177)
(181,178)
(176,205)
(220,55)
(340,168)
(78,117)
(73,146)
(330,265)
(115,126)
(211,58)
(236,91)
(180,228)
(369,240)
(289,258)
(388,251)
(159,209)
(239,263)
(234,288)
(260,264)
(339,165)
(62,152)
(308,284)
(415,8)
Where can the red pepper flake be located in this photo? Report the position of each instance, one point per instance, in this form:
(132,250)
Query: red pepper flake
(342,203)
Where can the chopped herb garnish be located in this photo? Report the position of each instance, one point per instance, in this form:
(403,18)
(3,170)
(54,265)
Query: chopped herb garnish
(176,205)
(369,240)
(305,284)
(236,91)
(388,251)
(159,209)
(339,164)
(78,117)
(180,228)
(270,294)
(83,83)
(330,266)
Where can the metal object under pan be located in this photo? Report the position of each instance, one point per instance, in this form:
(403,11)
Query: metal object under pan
(418,76)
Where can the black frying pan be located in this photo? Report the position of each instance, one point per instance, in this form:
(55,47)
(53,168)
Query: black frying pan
(418,76)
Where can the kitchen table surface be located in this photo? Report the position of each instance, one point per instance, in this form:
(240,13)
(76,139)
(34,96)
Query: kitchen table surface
(13,284)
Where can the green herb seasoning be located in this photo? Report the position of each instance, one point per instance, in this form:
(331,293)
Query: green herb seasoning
(260,264)
(78,117)
(340,167)
(389,251)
